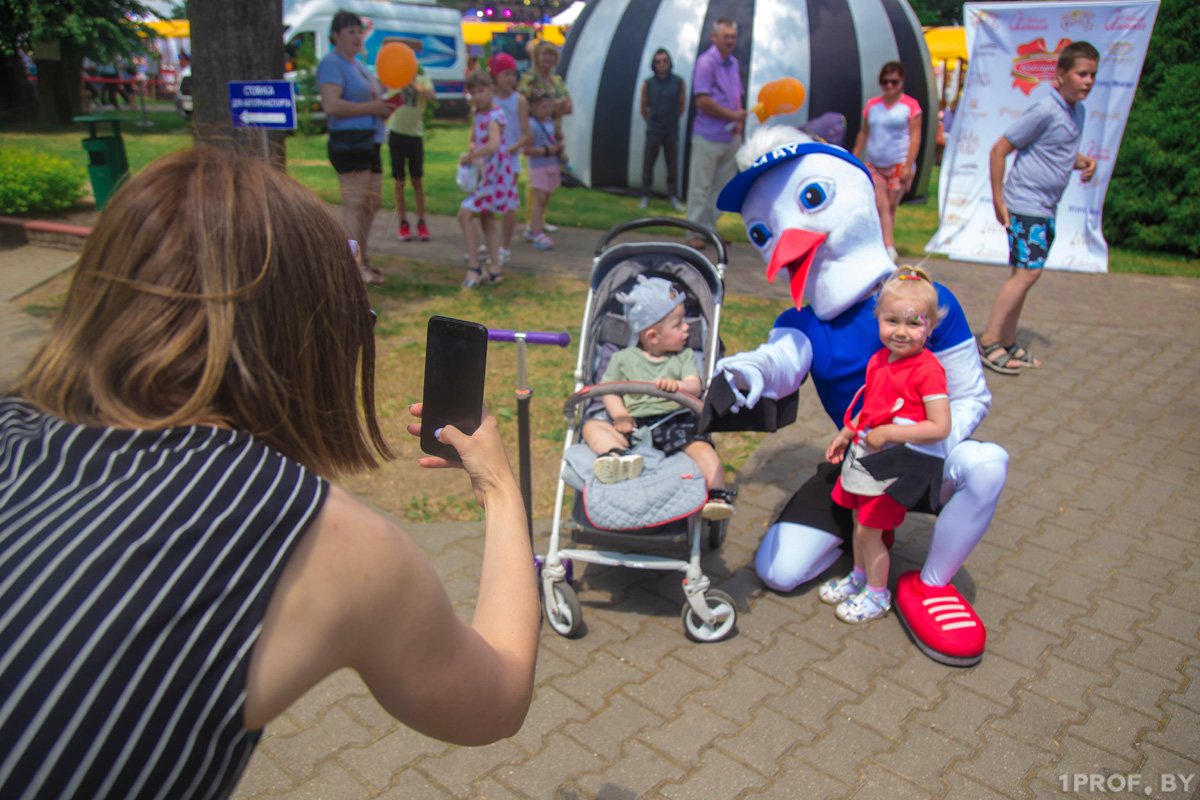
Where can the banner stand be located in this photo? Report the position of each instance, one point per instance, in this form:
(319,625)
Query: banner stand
(1013,60)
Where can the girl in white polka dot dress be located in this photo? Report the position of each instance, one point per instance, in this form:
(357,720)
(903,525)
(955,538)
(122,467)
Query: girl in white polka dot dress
(497,190)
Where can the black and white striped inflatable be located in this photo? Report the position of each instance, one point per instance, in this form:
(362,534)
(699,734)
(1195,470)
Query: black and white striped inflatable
(834,47)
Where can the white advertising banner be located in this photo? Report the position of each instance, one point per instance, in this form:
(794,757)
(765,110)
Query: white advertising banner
(1014,51)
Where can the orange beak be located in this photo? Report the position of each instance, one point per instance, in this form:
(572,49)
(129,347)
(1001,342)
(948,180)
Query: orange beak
(795,251)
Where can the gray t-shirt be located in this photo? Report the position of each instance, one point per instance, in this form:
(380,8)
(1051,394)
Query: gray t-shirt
(1047,140)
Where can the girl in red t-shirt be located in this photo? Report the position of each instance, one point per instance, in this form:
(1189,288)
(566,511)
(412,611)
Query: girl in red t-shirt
(904,402)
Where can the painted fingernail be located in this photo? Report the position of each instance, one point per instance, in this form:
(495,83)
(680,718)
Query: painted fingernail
(438,433)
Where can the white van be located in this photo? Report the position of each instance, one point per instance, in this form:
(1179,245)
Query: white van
(434,32)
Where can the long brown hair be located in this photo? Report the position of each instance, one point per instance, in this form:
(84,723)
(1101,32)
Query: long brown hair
(215,289)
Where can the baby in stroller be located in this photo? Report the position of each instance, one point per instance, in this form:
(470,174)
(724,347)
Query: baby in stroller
(654,310)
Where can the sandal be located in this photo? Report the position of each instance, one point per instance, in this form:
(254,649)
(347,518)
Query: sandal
(1025,358)
(472,281)
(999,364)
(494,278)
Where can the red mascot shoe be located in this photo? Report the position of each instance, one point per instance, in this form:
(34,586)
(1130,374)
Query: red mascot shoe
(940,621)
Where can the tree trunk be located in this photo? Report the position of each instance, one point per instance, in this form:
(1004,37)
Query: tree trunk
(234,41)
(58,91)
(17,98)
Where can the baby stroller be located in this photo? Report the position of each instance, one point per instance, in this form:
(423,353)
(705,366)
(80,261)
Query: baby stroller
(660,509)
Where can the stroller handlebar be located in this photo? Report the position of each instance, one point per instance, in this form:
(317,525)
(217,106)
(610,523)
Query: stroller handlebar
(667,222)
(531,337)
(684,399)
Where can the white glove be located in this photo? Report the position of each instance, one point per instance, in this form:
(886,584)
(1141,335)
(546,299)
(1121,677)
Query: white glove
(742,377)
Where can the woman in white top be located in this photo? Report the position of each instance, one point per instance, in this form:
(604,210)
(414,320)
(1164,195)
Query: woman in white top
(888,143)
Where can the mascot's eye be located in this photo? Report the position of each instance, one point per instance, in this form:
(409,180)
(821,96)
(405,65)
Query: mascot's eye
(816,194)
(812,195)
(760,234)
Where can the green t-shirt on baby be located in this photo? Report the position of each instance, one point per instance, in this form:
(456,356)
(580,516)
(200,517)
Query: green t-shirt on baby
(633,364)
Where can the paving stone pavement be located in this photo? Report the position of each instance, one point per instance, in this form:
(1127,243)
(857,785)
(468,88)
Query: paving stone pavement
(1088,581)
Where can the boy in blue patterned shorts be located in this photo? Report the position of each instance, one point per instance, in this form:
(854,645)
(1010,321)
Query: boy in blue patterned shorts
(1046,141)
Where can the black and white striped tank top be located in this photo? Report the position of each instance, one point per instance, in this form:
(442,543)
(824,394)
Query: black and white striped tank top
(135,570)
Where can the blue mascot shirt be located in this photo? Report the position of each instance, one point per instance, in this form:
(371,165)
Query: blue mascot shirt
(838,371)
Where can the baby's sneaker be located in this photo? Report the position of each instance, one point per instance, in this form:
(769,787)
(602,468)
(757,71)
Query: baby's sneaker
(630,466)
(864,607)
(840,590)
(542,242)
(719,505)
(617,465)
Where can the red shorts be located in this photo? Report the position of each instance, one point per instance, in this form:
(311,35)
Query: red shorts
(889,177)
(880,512)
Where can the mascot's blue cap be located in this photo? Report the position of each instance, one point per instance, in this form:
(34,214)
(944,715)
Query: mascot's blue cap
(734,193)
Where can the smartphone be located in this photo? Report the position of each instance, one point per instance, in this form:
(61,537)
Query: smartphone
(455,368)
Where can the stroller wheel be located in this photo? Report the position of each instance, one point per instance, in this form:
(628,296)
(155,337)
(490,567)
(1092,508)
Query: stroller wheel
(716,533)
(563,611)
(720,604)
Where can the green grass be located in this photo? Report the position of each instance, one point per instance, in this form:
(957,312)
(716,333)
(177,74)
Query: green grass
(580,208)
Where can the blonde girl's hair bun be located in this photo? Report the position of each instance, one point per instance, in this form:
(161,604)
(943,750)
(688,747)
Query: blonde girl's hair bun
(915,282)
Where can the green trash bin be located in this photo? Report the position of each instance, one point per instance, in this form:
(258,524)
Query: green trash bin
(107,163)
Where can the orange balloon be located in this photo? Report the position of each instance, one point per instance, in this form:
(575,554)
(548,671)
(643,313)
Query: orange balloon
(779,97)
(396,65)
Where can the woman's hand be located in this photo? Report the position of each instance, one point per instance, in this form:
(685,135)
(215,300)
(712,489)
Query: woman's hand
(482,453)
(378,108)
(464,159)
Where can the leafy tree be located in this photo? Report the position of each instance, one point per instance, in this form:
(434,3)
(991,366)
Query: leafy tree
(938,12)
(1153,201)
(942,12)
(62,33)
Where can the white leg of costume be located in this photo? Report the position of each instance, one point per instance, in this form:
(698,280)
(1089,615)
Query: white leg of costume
(973,479)
(791,554)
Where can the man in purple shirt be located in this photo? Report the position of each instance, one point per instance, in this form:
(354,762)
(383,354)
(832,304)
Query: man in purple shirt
(717,130)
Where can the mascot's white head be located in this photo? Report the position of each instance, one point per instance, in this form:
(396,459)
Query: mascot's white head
(809,208)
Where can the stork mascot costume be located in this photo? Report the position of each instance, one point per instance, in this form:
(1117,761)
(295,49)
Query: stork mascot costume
(809,208)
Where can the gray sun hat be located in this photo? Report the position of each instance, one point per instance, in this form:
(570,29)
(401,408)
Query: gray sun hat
(649,301)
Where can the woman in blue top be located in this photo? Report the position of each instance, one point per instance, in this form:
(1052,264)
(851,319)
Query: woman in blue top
(352,107)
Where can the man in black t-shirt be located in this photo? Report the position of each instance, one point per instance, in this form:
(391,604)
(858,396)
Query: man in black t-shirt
(663,102)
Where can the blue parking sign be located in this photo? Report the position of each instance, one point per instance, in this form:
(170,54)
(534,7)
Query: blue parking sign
(263,104)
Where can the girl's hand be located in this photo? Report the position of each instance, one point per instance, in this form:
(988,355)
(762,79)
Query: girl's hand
(482,453)
(464,159)
(837,449)
(878,437)
(667,384)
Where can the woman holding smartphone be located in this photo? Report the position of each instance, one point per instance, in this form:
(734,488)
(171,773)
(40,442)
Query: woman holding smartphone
(176,568)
